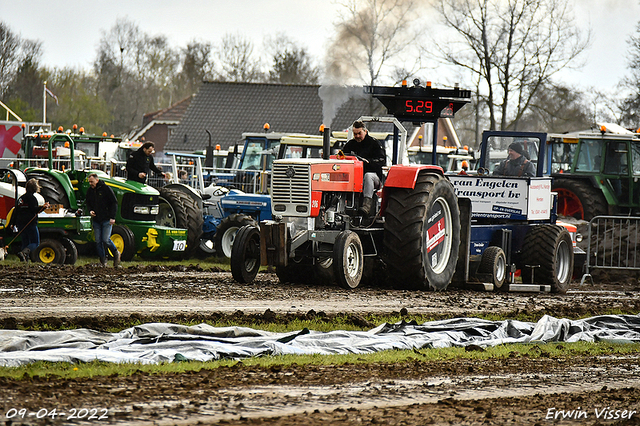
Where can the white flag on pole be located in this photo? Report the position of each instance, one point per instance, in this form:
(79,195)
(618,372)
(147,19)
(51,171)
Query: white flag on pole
(50,93)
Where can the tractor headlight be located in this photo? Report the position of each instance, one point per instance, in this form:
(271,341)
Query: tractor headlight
(146,209)
(141,209)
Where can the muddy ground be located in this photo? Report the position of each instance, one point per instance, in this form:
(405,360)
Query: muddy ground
(518,390)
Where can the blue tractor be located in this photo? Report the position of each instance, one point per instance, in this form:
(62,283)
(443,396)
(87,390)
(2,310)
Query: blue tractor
(223,210)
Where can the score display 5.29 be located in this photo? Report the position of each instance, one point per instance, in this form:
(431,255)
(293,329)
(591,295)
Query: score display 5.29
(423,109)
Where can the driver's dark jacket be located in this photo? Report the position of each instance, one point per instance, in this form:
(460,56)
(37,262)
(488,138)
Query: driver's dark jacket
(138,161)
(520,167)
(371,150)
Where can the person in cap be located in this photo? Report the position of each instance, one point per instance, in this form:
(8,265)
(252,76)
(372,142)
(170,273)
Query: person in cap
(516,163)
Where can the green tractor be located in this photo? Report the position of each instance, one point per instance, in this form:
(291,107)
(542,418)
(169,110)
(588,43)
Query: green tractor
(596,172)
(60,229)
(136,231)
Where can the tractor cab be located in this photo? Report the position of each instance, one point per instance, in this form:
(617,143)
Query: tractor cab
(596,172)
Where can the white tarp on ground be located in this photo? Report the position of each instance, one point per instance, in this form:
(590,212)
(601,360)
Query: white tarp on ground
(159,342)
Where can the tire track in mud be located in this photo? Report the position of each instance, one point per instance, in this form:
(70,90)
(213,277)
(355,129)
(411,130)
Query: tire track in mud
(510,394)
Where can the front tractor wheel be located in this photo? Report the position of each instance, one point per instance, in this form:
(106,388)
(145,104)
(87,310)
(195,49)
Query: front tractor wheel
(125,242)
(227,230)
(245,255)
(422,233)
(49,251)
(348,260)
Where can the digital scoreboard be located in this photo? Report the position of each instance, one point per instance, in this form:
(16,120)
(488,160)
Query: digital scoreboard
(420,103)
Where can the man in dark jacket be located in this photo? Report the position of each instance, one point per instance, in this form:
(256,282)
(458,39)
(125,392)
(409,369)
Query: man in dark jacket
(516,163)
(374,158)
(26,219)
(103,205)
(140,162)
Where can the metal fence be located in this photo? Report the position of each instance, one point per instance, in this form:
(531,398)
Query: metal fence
(613,244)
(249,181)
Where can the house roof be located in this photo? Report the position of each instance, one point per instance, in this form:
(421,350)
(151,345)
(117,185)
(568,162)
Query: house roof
(174,113)
(171,115)
(228,109)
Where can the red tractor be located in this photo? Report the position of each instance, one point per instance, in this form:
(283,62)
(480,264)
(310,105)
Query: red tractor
(318,230)
(318,234)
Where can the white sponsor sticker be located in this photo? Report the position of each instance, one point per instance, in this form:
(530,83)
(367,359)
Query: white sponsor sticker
(179,245)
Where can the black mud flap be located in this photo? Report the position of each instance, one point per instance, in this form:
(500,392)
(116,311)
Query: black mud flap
(273,244)
(461,276)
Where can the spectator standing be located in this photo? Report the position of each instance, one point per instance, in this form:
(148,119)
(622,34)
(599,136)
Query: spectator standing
(27,210)
(103,205)
(183,177)
(140,163)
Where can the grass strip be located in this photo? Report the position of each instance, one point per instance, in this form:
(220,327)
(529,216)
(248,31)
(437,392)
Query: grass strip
(559,351)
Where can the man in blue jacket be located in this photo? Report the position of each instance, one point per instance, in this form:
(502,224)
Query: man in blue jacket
(103,205)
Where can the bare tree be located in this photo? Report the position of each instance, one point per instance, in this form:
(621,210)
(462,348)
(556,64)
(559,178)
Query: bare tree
(236,60)
(630,106)
(514,47)
(197,66)
(135,73)
(557,108)
(24,94)
(291,63)
(79,104)
(9,54)
(369,35)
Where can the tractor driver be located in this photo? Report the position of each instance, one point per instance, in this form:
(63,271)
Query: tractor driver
(516,164)
(373,157)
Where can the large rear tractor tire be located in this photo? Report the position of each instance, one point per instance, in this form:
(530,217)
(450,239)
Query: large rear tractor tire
(226,232)
(179,210)
(548,250)
(50,188)
(348,260)
(494,263)
(422,233)
(50,252)
(124,241)
(579,199)
(245,255)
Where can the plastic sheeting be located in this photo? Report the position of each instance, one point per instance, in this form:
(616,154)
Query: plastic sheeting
(160,342)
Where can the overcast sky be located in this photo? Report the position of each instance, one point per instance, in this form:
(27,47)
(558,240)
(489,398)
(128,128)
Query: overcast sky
(71,29)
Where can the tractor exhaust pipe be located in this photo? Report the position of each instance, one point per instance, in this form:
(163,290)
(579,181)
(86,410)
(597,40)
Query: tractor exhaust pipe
(326,143)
